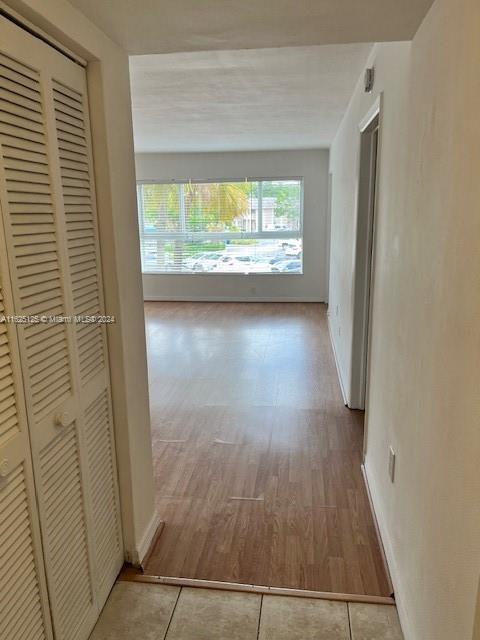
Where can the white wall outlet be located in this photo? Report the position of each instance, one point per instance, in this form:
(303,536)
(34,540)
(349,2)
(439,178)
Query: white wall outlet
(391,464)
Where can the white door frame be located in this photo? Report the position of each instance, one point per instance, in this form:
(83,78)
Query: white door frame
(328,234)
(363,277)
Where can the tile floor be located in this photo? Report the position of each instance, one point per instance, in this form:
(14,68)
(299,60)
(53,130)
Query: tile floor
(137,611)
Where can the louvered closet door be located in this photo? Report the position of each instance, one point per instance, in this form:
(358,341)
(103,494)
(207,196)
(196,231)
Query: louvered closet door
(48,202)
(32,222)
(23,596)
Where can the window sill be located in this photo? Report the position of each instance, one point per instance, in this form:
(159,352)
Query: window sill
(218,273)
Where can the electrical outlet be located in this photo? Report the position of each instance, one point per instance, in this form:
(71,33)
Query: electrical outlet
(391,464)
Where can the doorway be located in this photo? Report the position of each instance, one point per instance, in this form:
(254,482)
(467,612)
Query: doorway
(363,270)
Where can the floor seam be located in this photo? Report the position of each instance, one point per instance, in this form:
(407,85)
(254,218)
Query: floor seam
(259,617)
(349,621)
(172,614)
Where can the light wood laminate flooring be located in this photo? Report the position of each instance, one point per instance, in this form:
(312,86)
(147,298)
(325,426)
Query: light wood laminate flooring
(257,461)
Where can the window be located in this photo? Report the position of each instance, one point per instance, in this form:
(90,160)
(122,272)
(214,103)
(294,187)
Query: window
(249,226)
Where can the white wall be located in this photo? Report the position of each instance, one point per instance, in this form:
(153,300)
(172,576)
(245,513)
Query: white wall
(391,70)
(311,165)
(424,396)
(110,112)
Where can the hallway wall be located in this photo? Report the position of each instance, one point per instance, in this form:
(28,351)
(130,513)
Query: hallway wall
(425,366)
(312,165)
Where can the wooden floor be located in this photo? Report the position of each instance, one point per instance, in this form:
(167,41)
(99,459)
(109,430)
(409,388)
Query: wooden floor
(257,461)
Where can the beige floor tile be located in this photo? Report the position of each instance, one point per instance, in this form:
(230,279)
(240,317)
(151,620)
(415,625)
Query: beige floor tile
(374,622)
(287,618)
(136,612)
(207,614)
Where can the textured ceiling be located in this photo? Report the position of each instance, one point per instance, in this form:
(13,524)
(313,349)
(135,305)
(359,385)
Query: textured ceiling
(287,98)
(160,26)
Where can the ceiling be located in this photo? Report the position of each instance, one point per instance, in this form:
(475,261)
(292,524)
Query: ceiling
(286,98)
(161,26)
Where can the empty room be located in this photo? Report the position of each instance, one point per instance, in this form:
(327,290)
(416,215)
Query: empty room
(239,320)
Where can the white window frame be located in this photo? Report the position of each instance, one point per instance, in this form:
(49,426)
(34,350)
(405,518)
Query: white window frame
(191,236)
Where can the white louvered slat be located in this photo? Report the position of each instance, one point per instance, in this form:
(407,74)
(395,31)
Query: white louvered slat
(60,468)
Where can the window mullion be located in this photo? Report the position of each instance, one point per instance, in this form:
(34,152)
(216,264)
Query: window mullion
(260,207)
(183,213)
(140,197)
(141,215)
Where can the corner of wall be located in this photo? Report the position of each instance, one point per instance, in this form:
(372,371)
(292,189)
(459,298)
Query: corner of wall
(398,588)
(341,380)
(142,545)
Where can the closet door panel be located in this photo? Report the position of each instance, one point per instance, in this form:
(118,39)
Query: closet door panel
(101,456)
(65,538)
(32,238)
(24,612)
(78,196)
(21,612)
(81,229)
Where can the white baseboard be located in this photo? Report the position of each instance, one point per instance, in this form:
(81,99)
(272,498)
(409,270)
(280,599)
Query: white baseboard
(392,565)
(145,542)
(149,298)
(339,373)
